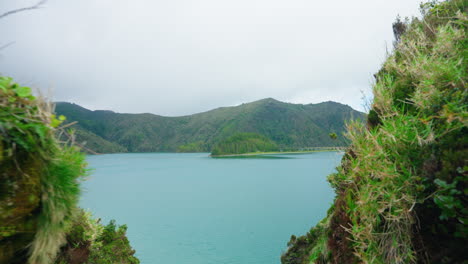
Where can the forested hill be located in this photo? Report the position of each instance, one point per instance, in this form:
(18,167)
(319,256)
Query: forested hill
(291,126)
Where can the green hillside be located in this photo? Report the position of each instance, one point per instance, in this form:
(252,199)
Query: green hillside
(290,126)
(401,189)
(244,143)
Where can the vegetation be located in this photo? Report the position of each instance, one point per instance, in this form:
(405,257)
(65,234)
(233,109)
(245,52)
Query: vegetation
(37,173)
(290,126)
(401,187)
(39,178)
(90,242)
(244,143)
(198,146)
(90,142)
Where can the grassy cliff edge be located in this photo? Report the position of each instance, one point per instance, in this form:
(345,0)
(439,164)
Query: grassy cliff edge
(402,185)
(40,222)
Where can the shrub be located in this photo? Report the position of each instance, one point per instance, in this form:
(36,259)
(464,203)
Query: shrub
(88,241)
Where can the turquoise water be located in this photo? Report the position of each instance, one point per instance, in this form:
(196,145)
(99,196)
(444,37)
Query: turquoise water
(193,209)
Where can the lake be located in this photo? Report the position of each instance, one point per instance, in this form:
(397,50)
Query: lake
(193,209)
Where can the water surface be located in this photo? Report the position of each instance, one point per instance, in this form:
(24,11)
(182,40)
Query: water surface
(193,209)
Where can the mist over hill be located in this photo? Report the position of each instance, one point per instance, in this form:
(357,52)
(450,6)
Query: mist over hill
(291,126)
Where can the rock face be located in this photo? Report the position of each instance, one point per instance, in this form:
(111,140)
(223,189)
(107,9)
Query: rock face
(401,187)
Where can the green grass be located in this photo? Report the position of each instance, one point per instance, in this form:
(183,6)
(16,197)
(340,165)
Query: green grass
(402,182)
(61,192)
(40,185)
(41,176)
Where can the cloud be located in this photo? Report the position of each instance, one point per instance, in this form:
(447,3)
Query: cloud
(180,57)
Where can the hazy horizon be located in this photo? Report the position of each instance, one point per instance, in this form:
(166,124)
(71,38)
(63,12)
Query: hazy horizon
(178,58)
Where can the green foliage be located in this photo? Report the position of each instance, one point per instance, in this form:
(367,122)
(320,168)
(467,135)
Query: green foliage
(310,248)
(401,187)
(11,88)
(373,118)
(39,177)
(115,247)
(84,231)
(61,196)
(39,188)
(90,142)
(450,198)
(55,122)
(290,126)
(88,241)
(244,143)
(21,117)
(198,146)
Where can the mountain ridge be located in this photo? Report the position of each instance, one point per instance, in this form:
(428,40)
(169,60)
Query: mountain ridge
(289,125)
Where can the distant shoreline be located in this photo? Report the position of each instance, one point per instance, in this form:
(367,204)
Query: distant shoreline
(275,152)
(229,155)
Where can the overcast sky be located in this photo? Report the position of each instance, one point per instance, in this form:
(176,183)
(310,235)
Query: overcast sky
(177,57)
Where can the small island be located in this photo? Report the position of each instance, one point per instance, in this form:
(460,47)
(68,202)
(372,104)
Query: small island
(242,143)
